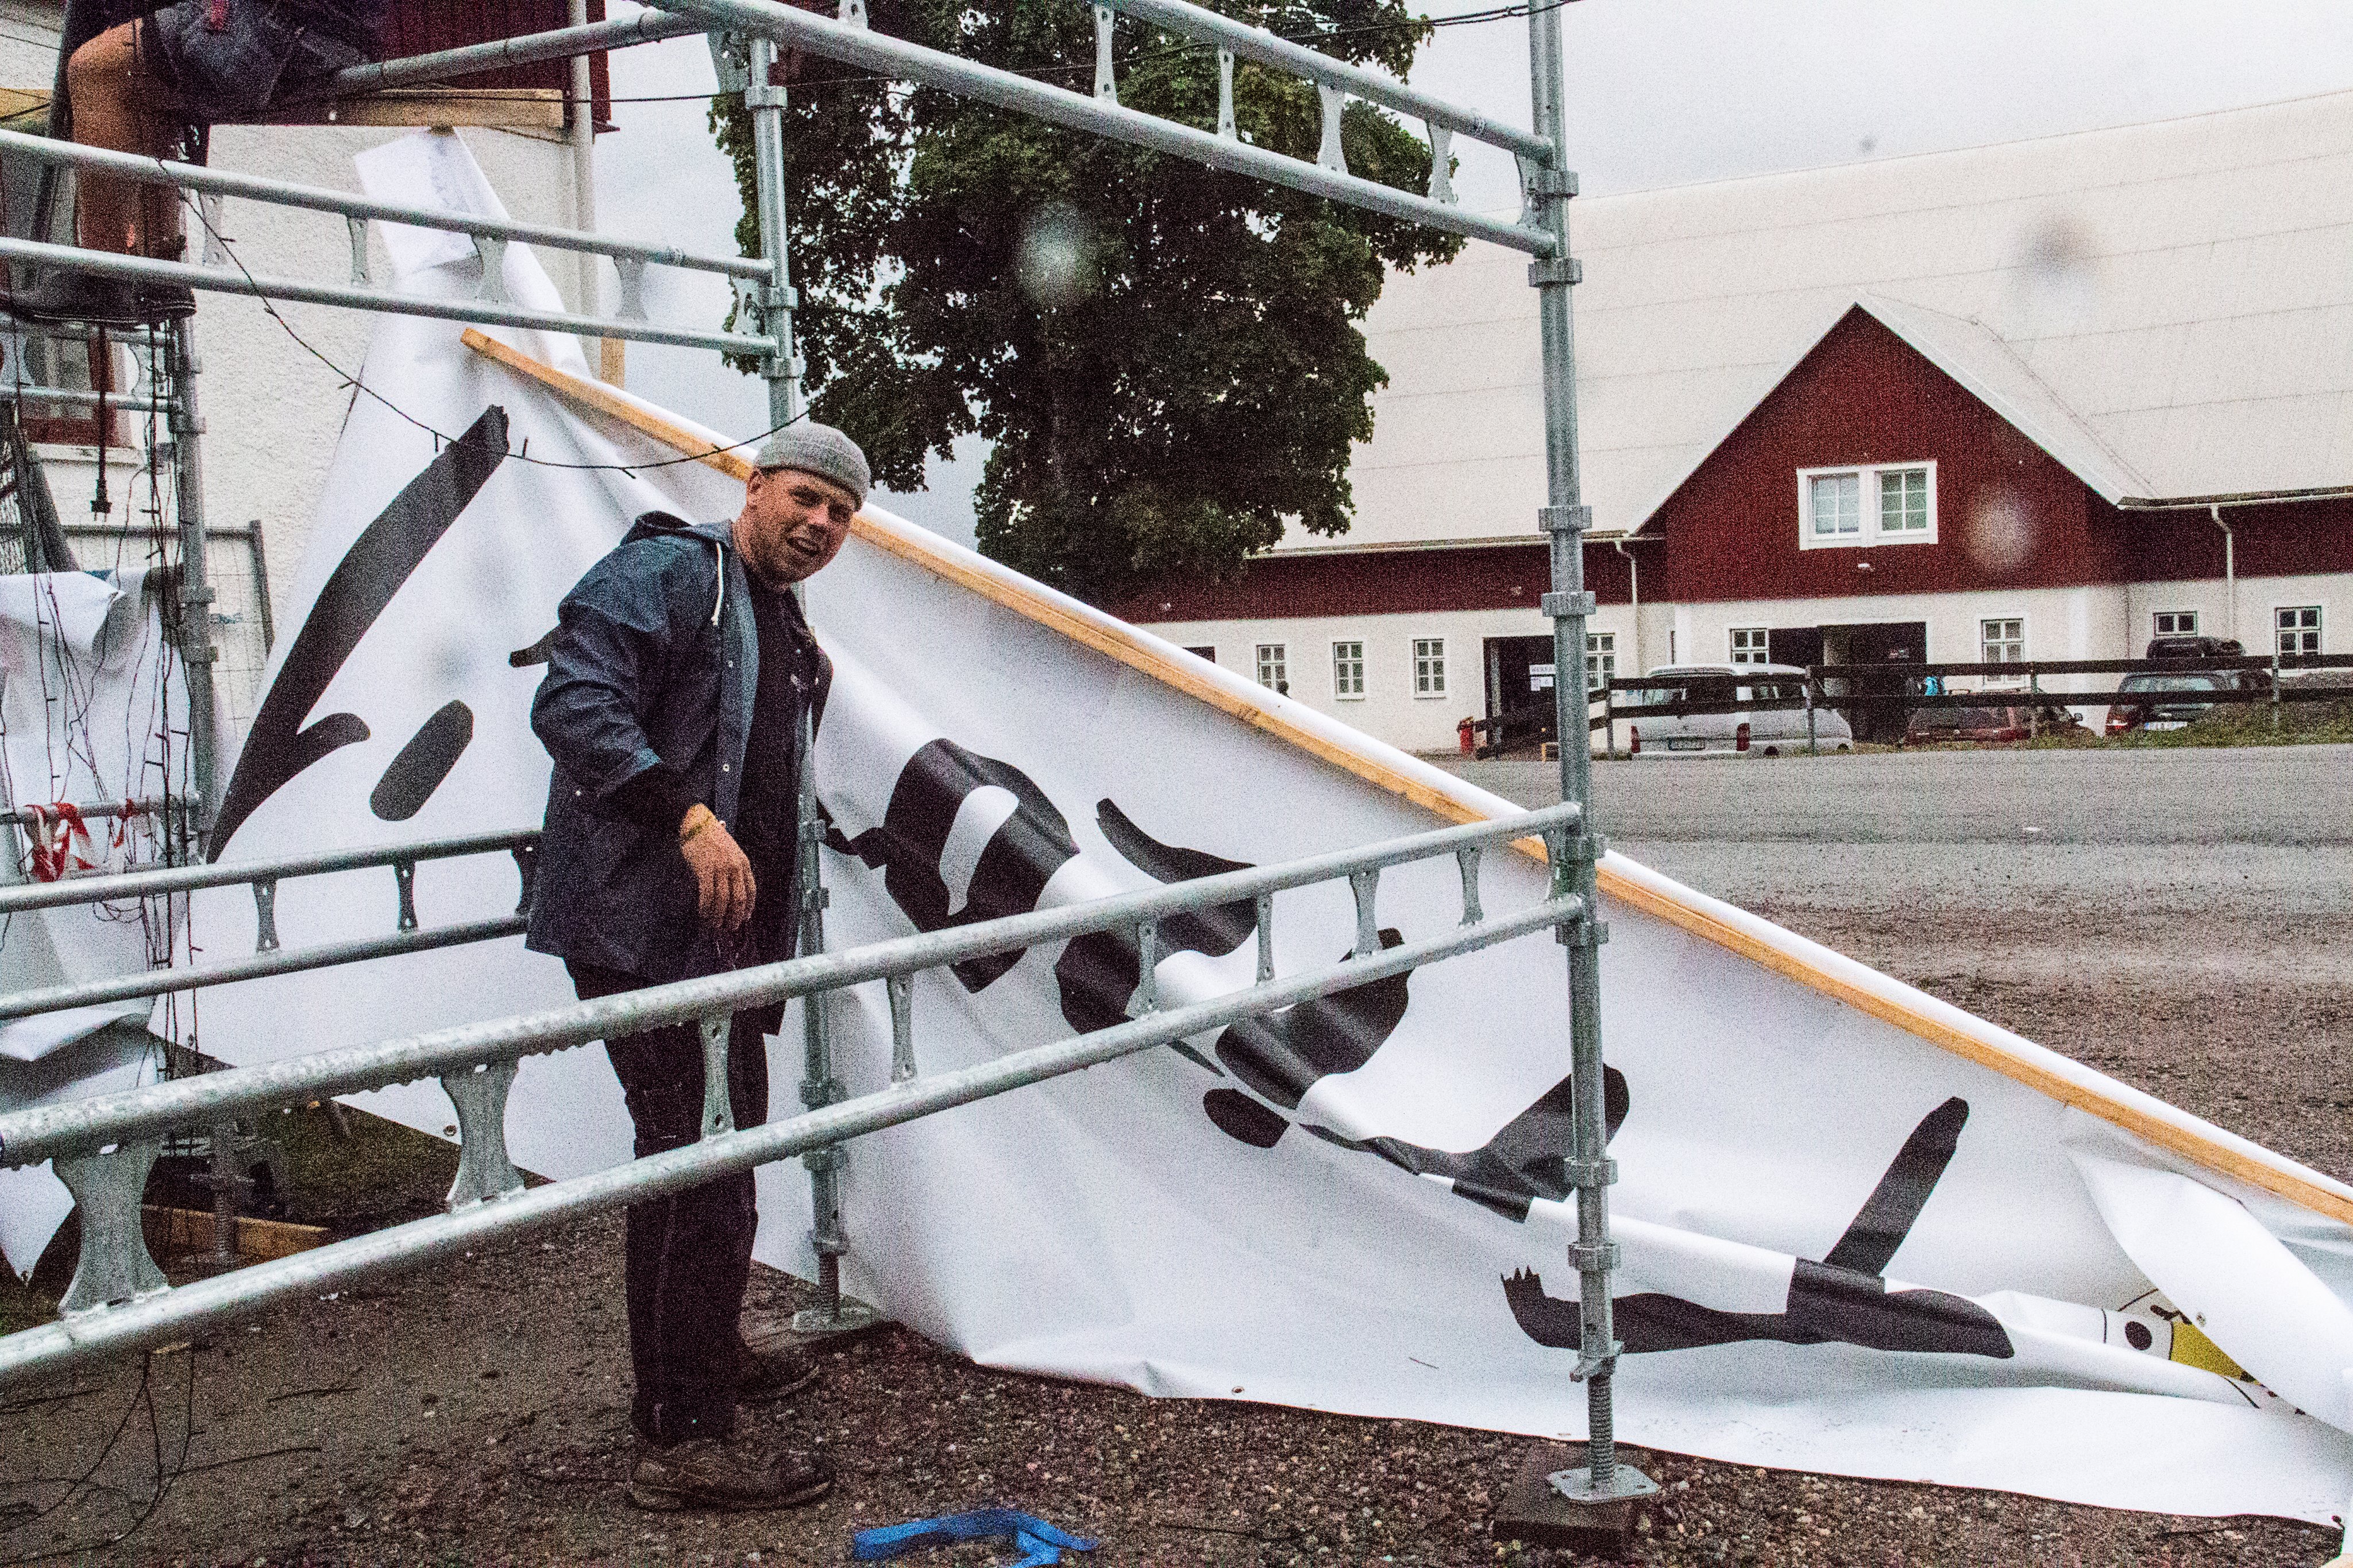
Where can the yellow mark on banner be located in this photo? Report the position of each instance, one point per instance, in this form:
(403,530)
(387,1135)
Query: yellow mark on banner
(2192,1348)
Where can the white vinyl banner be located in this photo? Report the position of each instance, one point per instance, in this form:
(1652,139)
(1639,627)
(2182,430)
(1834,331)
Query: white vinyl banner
(1862,1232)
(92,710)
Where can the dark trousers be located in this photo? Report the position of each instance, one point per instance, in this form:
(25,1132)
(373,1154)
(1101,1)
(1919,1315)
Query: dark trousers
(688,1256)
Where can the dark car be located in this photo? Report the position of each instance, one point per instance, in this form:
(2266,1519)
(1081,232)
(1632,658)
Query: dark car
(1938,726)
(2166,698)
(2189,646)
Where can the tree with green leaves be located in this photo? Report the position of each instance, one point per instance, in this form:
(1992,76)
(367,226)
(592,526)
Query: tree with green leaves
(1165,359)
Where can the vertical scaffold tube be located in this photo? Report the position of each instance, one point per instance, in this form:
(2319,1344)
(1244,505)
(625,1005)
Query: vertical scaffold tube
(1568,605)
(196,650)
(780,368)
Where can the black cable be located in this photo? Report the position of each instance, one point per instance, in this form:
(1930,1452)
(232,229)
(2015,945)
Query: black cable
(164,1481)
(358,385)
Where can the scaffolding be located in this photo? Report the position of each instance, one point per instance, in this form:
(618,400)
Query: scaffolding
(101,1147)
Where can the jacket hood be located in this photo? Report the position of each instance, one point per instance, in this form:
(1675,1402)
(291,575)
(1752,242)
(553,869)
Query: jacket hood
(652,524)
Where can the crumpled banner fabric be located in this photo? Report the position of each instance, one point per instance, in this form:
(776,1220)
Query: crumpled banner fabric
(1845,1248)
(92,709)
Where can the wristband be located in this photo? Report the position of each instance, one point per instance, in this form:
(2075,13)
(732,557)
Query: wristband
(699,819)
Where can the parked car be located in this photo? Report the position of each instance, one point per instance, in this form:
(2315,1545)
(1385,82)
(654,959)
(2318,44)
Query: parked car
(2189,646)
(2168,699)
(1938,726)
(1704,714)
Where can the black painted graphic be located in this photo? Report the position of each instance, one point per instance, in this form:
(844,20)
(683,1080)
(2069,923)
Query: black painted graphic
(1098,973)
(380,560)
(1841,1300)
(423,764)
(1020,857)
(1277,1059)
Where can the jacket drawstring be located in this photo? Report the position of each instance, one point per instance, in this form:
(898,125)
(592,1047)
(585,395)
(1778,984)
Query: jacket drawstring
(721,602)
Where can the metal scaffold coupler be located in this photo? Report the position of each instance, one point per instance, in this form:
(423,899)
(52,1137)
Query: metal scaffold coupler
(1599,1256)
(1591,1173)
(1555,270)
(1557,606)
(1565,519)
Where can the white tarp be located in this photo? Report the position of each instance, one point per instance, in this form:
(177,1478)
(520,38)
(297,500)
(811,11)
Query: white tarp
(1862,1232)
(92,709)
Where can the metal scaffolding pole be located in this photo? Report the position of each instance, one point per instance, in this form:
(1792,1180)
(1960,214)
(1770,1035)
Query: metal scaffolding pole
(771,301)
(1565,520)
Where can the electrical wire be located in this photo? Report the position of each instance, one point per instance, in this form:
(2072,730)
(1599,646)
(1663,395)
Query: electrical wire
(350,379)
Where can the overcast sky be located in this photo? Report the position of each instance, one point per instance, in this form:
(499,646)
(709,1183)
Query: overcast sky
(1662,93)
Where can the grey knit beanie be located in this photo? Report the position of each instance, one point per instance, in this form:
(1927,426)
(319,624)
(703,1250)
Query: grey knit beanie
(819,449)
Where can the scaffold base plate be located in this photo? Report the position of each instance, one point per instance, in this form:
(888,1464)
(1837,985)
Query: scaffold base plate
(1535,1511)
(854,1317)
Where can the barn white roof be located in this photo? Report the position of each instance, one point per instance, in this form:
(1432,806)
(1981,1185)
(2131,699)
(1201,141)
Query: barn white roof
(2167,309)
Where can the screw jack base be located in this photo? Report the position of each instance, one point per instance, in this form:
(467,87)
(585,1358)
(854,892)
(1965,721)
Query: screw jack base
(1541,1512)
(1626,1482)
(849,1316)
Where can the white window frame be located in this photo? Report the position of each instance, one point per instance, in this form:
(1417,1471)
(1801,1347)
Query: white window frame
(2319,627)
(1204,650)
(1600,659)
(1344,665)
(2185,623)
(1755,653)
(1869,532)
(1272,664)
(1424,687)
(1987,642)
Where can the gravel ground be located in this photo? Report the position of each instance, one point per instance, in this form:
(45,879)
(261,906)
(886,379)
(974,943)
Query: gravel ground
(480,1418)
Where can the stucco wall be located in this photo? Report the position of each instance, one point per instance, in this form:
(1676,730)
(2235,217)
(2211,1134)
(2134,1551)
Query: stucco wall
(272,410)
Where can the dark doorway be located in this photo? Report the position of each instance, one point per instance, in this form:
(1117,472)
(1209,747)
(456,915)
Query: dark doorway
(1875,703)
(1799,645)
(1519,687)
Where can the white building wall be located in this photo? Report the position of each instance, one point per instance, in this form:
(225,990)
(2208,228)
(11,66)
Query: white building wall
(1390,710)
(272,410)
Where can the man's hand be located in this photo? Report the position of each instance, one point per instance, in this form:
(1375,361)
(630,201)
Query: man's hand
(724,888)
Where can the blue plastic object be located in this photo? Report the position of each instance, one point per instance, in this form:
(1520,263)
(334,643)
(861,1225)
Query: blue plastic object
(1029,1534)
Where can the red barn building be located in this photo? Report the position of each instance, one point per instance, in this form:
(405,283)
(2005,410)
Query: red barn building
(2041,400)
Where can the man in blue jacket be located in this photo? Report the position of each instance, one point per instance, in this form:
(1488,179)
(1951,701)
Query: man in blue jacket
(679,678)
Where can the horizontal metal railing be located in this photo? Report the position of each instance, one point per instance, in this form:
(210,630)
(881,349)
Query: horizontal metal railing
(268,958)
(189,878)
(480,313)
(321,198)
(490,235)
(101,1147)
(897,58)
(499,53)
(1257,43)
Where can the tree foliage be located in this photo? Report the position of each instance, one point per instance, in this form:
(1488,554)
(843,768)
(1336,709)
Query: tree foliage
(1164,359)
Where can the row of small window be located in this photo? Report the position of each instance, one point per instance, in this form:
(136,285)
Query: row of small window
(1273,665)
(2001,639)
(2295,629)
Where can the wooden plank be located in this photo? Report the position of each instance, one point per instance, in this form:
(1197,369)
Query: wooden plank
(170,1231)
(1115,640)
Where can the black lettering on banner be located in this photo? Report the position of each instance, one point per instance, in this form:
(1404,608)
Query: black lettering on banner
(1841,1299)
(1020,857)
(1098,972)
(385,555)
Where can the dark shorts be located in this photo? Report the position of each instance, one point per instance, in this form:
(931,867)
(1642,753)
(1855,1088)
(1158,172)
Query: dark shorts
(237,60)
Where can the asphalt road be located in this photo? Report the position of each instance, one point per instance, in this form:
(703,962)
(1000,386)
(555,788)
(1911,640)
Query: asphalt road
(2183,918)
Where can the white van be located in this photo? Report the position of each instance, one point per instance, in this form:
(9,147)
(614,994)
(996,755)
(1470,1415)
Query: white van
(1686,728)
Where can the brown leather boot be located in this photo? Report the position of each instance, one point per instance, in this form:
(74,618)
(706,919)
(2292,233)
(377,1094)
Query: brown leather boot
(706,1472)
